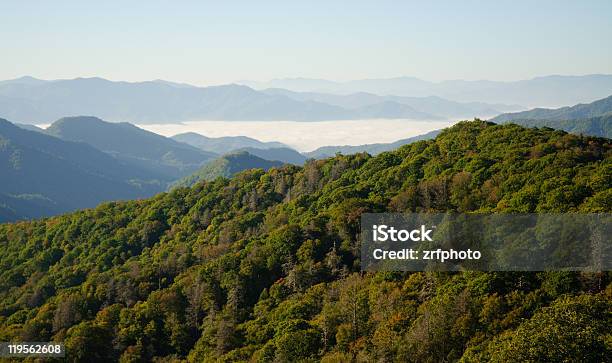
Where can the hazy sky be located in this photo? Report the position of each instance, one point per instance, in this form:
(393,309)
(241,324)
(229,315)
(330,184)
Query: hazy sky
(212,42)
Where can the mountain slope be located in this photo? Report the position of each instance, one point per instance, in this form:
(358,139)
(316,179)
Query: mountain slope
(43,175)
(580,111)
(226,166)
(27,206)
(223,145)
(164,156)
(284,154)
(372,149)
(30,127)
(265,266)
(595,126)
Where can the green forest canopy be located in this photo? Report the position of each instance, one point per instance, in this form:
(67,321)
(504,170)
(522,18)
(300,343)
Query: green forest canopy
(594,126)
(265,266)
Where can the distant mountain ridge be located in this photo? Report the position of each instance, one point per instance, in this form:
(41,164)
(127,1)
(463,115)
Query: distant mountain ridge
(31,101)
(432,105)
(551,91)
(150,102)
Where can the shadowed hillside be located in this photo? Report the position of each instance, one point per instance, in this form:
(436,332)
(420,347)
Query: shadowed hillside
(42,175)
(580,111)
(163,156)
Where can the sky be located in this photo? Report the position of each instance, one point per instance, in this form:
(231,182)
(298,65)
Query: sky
(216,42)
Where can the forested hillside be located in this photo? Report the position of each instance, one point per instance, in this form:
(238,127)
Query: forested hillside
(134,146)
(265,266)
(372,149)
(41,175)
(226,166)
(600,107)
(594,126)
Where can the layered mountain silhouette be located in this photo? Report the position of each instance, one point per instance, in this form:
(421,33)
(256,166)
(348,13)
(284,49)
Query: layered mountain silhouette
(166,158)
(44,175)
(431,105)
(551,91)
(150,102)
(32,101)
